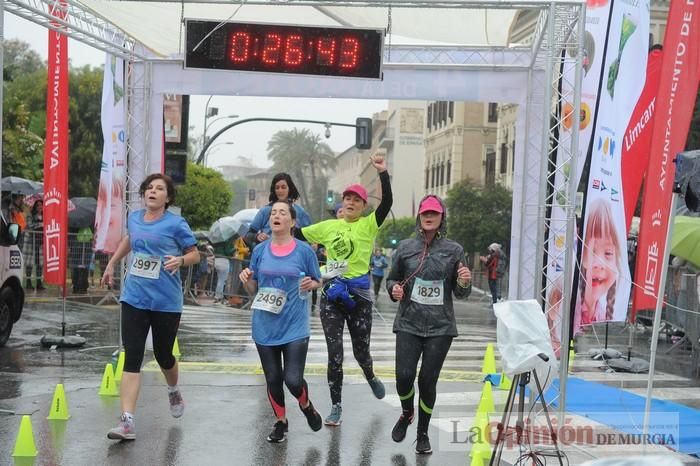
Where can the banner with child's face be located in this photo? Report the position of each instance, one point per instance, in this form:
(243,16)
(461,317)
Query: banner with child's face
(604,279)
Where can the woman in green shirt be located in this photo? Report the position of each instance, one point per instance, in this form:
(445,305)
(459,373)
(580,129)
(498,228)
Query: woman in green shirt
(346,294)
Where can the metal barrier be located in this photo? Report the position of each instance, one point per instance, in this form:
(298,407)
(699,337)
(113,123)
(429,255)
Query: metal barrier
(480,280)
(199,283)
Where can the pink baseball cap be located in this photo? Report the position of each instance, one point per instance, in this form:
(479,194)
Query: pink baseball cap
(356,189)
(430,203)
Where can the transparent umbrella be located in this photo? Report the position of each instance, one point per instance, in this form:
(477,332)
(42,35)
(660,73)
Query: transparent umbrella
(226,228)
(17,185)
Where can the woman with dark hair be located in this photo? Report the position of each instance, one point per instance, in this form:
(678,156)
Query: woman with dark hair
(160,242)
(282,272)
(34,244)
(426,271)
(282,188)
(346,296)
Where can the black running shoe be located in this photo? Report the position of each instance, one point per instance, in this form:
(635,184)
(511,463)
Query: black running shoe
(279,432)
(398,433)
(312,417)
(423,445)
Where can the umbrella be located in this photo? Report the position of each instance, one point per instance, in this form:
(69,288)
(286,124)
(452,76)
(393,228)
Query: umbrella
(226,228)
(246,215)
(83,215)
(685,242)
(201,235)
(17,185)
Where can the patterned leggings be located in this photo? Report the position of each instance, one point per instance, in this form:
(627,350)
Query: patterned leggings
(333,318)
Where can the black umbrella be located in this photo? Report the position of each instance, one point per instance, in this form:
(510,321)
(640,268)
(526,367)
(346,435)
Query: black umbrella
(84,213)
(17,185)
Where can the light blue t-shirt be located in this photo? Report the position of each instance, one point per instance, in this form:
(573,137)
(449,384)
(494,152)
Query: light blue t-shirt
(170,235)
(261,221)
(282,273)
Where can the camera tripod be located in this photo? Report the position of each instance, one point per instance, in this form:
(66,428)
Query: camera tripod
(520,381)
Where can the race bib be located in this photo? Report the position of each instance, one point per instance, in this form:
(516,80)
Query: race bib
(270,300)
(146,266)
(335,269)
(427,292)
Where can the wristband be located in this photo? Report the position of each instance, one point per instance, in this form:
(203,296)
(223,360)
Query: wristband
(462,284)
(182,261)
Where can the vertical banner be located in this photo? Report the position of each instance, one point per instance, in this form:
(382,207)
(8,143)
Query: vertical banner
(637,138)
(596,28)
(675,100)
(56,156)
(110,197)
(604,278)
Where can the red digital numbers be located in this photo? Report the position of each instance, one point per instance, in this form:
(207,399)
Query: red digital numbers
(294,50)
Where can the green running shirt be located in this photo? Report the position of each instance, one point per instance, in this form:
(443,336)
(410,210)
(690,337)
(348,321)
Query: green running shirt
(351,242)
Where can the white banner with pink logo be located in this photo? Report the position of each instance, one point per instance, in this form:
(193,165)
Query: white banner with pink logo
(110,198)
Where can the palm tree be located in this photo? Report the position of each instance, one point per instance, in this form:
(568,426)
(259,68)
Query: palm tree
(298,152)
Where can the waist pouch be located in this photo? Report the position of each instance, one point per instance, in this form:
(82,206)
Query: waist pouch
(340,289)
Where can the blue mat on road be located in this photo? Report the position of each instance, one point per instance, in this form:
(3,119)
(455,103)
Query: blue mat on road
(624,411)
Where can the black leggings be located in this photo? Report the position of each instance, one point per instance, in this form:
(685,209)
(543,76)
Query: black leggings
(135,325)
(333,318)
(292,374)
(377,283)
(408,350)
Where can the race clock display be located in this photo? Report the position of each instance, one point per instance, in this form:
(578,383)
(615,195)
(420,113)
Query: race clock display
(274,48)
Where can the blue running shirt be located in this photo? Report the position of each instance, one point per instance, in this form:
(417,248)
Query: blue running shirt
(169,235)
(282,273)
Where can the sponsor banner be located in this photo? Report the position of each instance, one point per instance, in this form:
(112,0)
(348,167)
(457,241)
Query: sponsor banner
(596,29)
(604,278)
(56,155)
(637,137)
(110,197)
(678,88)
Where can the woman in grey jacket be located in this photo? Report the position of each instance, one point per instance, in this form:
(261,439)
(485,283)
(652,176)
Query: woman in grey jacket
(426,271)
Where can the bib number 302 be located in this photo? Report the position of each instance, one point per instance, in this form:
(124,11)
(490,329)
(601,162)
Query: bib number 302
(270,300)
(146,266)
(427,292)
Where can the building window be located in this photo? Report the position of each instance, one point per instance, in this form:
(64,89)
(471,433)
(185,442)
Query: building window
(449,172)
(432,177)
(493,112)
(504,158)
(427,178)
(430,116)
(490,177)
(451,111)
(512,148)
(442,174)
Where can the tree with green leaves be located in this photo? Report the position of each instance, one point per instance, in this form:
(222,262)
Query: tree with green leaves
(479,216)
(204,198)
(393,231)
(298,152)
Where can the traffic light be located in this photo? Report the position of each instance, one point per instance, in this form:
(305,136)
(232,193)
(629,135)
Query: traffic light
(363,133)
(330,197)
(393,242)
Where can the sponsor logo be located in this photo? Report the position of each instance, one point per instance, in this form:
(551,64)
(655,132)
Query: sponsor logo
(614,195)
(606,145)
(584,116)
(596,184)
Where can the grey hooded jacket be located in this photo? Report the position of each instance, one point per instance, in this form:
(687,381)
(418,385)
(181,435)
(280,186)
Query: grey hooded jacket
(442,259)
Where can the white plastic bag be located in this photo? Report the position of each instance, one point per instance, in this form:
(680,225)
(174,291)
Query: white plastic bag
(523,340)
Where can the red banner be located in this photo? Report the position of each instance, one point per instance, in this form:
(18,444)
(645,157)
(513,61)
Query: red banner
(56,156)
(635,144)
(678,88)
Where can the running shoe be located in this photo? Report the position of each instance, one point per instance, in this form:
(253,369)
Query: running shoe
(124,431)
(377,387)
(279,432)
(423,445)
(398,433)
(177,404)
(312,417)
(333,419)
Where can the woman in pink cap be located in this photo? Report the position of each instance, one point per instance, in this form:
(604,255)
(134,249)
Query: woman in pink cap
(346,293)
(426,271)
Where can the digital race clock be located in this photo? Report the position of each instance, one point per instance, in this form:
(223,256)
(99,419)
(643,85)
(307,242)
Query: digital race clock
(274,48)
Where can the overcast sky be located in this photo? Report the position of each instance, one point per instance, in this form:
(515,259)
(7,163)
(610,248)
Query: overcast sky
(250,139)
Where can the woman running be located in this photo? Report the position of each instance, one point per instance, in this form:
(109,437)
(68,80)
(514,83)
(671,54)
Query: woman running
(282,272)
(426,271)
(161,242)
(282,188)
(346,295)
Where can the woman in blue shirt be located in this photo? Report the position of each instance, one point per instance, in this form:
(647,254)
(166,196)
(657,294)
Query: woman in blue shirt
(160,242)
(282,272)
(282,188)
